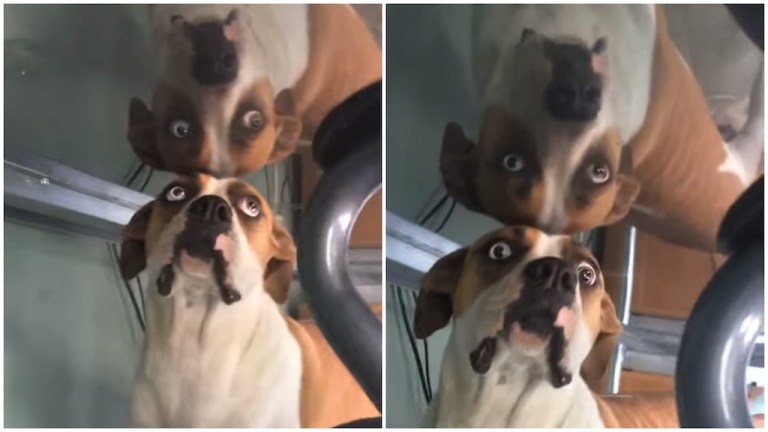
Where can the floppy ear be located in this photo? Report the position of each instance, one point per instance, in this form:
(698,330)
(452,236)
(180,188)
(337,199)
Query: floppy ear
(133,255)
(434,305)
(594,369)
(628,189)
(279,272)
(141,134)
(458,167)
(287,127)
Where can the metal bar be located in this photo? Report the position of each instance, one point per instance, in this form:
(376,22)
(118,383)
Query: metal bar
(352,329)
(47,194)
(624,309)
(412,250)
(718,341)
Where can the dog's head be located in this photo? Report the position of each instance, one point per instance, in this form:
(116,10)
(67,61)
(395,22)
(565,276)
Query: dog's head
(214,107)
(519,297)
(546,156)
(209,237)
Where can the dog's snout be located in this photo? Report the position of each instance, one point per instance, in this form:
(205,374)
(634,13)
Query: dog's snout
(215,58)
(574,101)
(551,272)
(211,208)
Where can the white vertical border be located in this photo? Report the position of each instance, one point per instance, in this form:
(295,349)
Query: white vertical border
(383,214)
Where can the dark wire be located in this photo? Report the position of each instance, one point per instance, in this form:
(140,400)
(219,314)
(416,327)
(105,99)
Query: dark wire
(447,216)
(412,342)
(130,291)
(426,355)
(426,203)
(146,181)
(135,174)
(141,296)
(434,209)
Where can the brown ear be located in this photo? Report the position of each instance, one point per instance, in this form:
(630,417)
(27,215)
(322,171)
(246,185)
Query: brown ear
(628,189)
(141,134)
(279,272)
(609,321)
(458,167)
(434,305)
(133,255)
(594,369)
(287,127)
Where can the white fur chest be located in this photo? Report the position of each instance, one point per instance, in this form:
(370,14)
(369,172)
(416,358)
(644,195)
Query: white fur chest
(207,364)
(508,396)
(277,40)
(628,29)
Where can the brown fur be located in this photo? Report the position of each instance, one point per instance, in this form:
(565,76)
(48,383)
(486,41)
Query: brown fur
(474,176)
(267,236)
(330,395)
(642,410)
(343,59)
(677,153)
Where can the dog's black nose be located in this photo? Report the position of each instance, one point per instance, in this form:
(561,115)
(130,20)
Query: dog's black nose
(215,57)
(573,100)
(551,272)
(211,208)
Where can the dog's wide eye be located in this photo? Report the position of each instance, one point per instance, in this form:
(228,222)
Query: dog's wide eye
(179,128)
(513,163)
(587,274)
(176,193)
(254,120)
(598,173)
(250,206)
(499,251)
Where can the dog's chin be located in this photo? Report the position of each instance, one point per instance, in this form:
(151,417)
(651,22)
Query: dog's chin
(539,336)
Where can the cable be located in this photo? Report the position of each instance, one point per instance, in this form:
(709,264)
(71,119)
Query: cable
(141,296)
(135,174)
(146,181)
(447,216)
(426,203)
(434,209)
(130,291)
(426,355)
(412,342)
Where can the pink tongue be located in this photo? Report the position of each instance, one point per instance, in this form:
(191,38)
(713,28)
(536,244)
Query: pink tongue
(565,320)
(532,341)
(224,244)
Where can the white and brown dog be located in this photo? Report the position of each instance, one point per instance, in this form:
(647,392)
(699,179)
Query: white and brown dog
(238,85)
(218,351)
(589,113)
(526,308)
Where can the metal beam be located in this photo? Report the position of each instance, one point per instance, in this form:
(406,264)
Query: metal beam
(47,194)
(412,250)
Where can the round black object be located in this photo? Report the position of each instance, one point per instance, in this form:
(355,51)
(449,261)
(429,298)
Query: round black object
(373,422)
(750,19)
(744,221)
(353,123)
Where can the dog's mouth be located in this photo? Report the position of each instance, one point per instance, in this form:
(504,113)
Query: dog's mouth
(538,323)
(202,252)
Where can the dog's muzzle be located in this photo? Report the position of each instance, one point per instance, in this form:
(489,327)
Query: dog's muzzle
(215,59)
(205,238)
(549,287)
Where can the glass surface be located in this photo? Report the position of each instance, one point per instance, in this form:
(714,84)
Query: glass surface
(430,83)
(72,332)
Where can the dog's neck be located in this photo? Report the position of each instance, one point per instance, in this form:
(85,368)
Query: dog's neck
(200,353)
(513,393)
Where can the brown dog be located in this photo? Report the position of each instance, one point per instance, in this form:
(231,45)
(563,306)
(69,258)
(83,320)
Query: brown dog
(238,85)
(218,350)
(526,309)
(589,113)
